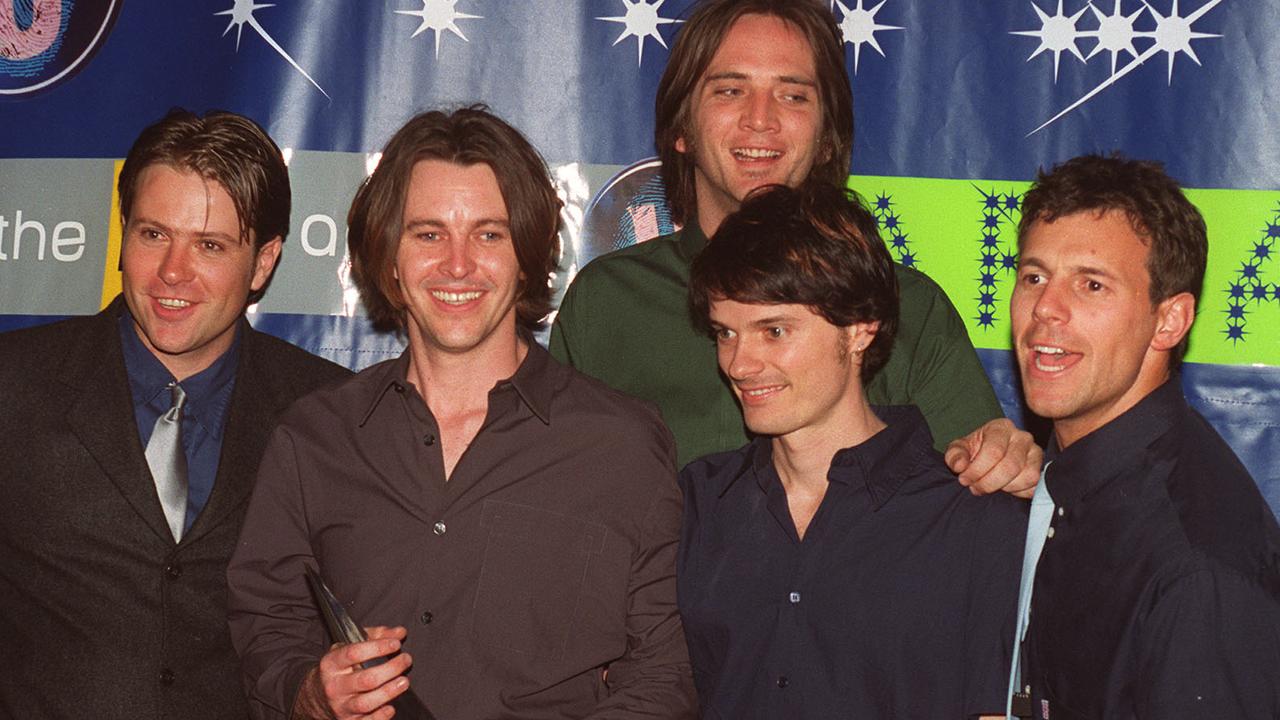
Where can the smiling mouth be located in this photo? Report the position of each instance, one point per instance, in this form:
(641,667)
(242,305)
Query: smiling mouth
(173,303)
(756,153)
(455,298)
(760,392)
(1052,359)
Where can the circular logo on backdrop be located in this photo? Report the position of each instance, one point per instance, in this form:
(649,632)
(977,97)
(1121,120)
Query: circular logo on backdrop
(631,208)
(43,42)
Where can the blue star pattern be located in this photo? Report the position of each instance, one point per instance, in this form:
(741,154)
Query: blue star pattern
(1249,285)
(998,252)
(892,231)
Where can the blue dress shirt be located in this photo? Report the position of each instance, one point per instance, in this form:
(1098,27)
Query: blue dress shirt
(898,602)
(203,417)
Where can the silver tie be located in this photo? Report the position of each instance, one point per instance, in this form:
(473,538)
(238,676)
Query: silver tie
(168,463)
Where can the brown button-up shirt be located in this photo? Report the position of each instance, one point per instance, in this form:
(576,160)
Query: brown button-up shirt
(548,555)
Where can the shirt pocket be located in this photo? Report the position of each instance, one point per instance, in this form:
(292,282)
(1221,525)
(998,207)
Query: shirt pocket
(535,562)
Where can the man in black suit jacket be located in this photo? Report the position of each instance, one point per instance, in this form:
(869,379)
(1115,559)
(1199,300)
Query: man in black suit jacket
(112,603)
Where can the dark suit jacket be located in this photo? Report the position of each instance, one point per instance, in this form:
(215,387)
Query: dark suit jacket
(102,615)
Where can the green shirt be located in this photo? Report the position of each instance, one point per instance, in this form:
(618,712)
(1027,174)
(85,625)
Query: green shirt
(625,320)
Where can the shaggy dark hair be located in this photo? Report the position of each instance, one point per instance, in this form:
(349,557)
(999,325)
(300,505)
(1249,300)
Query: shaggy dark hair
(816,246)
(468,136)
(695,46)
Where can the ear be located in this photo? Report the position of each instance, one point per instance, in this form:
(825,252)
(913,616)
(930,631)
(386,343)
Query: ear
(681,146)
(265,262)
(1174,316)
(862,334)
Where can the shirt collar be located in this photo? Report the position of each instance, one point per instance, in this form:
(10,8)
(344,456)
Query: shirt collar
(1106,453)
(535,381)
(692,239)
(881,463)
(207,396)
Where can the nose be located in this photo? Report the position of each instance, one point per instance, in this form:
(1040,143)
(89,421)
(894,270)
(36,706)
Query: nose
(458,261)
(1050,306)
(175,264)
(739,360)
(760,113)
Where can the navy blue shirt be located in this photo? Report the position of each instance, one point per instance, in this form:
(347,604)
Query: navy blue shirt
(1158,592)
(204,416)
(898,603)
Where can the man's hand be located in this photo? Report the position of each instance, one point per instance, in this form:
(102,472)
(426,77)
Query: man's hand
(339,688)
(996,456)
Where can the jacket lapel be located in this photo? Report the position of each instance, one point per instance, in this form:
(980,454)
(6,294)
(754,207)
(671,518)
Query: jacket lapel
(100,413)
(255,401)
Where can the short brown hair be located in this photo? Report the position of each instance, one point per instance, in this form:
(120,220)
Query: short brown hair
(816,246)
(467,136)
(696,45)
(225,147)
(1161,215)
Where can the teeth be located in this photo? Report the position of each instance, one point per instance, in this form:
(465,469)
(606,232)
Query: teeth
(760,391)
(1051,353)
(756,153)
(455,298)
(172,303)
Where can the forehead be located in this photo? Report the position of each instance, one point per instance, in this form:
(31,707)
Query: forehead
(1088,238)
(442,186)
(169,194)
(765,45)
(734,314)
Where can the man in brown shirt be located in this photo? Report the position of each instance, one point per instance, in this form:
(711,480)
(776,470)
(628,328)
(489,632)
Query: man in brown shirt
(518,518)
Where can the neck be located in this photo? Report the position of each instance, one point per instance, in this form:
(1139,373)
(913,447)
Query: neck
(803,457)
(1151,376)
(453,382)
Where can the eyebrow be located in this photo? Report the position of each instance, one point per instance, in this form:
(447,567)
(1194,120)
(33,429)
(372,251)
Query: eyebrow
(736,75)
(433,223)
(144,220)
(1032,262)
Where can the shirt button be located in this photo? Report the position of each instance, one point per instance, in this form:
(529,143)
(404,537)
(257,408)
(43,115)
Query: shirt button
(794,598)
(428,439)
(439,528)
(399,388)
(1062,511)
(173,570)
(425,618)
(783,681)
(1050,532)
(166,677)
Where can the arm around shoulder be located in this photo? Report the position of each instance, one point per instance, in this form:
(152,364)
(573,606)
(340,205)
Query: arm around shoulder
(945,378)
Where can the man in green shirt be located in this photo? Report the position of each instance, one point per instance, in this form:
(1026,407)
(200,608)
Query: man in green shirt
(756,93)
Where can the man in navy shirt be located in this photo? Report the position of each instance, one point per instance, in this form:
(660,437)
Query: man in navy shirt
(112,568)
(1158,588)
(832,567)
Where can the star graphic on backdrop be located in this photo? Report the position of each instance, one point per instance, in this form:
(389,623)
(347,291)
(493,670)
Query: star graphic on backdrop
(1261,250)
(241,13)
(882,201)
(1172,35)
(908,259)
(641,21)
(1236,312)
(1235,332)
(439,15)
(859,28)
(1057,34)
(1115,33)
